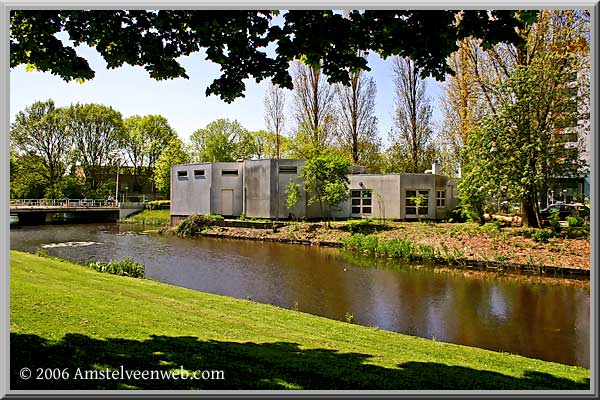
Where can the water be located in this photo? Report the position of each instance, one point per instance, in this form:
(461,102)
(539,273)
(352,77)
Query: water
(549,322)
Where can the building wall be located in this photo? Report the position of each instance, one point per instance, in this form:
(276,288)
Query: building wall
(221,182)
(191,194)
(385,198)
(259,191)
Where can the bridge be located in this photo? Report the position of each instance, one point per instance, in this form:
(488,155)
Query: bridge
(39,211)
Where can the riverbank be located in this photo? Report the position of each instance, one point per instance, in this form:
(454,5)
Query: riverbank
(488,246)
(64,315)
(149,217)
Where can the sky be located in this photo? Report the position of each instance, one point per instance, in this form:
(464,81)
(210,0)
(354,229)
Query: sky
(131,91)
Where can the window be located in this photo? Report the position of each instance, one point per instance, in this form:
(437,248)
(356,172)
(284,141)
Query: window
(232,172)
(440,198)
(361,201)
(417,202)
(182,174)
(288,169)
(198,173)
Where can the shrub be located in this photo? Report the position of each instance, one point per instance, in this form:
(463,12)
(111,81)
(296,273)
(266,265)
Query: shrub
(124,267)
(360,226)
(554,221)
(491,227)
(195,224)
(458,214)
(541,235)
(577,232)
(575,221)
(158,205)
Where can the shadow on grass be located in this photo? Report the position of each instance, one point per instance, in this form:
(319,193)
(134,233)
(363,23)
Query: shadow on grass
(249,365)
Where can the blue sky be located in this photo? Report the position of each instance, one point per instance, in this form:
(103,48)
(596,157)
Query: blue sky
(131,91)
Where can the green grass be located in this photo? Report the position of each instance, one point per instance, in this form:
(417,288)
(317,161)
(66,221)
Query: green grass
(150,217)
(68,316)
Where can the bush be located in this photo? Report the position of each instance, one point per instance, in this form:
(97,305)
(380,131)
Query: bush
(158,205)
(491,227)
(124,267)
(360,226)
(542,235)
(578,232)
(458,214)
(575,221)
(195,224)
(554,221)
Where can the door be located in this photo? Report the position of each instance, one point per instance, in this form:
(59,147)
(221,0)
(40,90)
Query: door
(227,202)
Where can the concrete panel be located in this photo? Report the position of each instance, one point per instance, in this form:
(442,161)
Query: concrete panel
(385,195)
(222,179)
(284,172)
(257,183)
(191,194)
(417,182)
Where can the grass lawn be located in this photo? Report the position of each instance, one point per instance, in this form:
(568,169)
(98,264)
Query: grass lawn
(150,217)
(67,316)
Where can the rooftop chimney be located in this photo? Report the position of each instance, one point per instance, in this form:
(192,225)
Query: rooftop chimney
(436,169)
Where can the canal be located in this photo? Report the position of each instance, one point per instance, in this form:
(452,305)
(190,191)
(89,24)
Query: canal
(545,321)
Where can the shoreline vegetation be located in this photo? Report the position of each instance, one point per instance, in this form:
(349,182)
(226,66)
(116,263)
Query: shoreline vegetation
(490,247)
(146,325)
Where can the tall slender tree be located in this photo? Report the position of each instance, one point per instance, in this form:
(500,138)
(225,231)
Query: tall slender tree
(412,132)
(357,122)
(275,113)
(314,110)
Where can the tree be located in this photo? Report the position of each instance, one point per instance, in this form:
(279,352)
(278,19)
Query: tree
(144,140)
(157,39)
(173,154)
(222,140)
(274,114)
(412,132)
(326,181)
(357,124)
(27,179)
(38,131)
(313,109)
(528,92)
(266,144)
(97,133)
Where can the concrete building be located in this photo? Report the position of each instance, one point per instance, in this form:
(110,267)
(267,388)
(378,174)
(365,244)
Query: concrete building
(257,189)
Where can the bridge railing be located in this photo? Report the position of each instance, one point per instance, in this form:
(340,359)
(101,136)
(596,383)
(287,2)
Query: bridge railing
(16,203)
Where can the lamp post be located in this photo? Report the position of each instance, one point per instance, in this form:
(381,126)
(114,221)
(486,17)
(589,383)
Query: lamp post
(117,183)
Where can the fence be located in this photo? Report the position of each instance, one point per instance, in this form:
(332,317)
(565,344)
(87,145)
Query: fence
(16,203)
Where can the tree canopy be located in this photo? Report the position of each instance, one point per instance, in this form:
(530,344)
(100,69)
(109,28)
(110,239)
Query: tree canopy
(237,40)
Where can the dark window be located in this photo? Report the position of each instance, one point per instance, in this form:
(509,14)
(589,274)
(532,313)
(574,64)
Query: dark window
(182,174)
(440,198)
(287,169)
(361,201)
(229,172)
(198,173)
(411,207)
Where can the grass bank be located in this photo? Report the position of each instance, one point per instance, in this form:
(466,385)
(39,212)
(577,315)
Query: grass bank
(150,217)
(67,316)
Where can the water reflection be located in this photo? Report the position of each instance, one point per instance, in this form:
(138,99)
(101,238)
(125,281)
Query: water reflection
(550,322)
